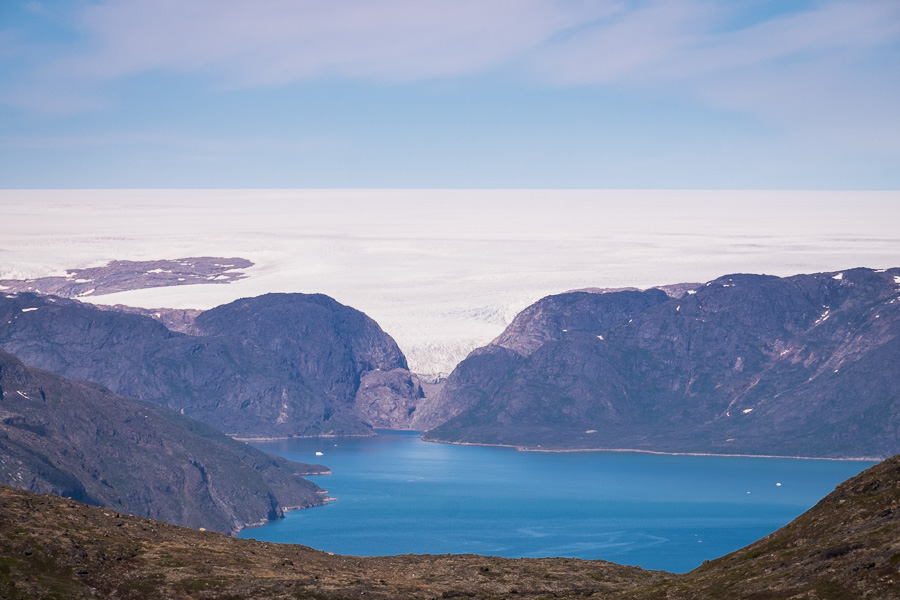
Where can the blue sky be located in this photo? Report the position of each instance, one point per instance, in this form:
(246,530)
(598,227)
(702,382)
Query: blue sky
(697,94)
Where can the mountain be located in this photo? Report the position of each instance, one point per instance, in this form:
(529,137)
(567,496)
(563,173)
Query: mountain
(844,547)
(79,440)
(745,364)
(273,366)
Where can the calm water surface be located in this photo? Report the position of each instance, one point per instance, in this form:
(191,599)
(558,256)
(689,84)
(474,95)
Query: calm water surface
(397,494)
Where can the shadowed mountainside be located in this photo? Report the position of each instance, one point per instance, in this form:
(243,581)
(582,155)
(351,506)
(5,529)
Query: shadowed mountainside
(846,547)
(273,366)
(745,364)
(79,440)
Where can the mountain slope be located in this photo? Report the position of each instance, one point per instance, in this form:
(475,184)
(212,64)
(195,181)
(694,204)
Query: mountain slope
(745,364)
(79,440)
(845,547)
(276,365)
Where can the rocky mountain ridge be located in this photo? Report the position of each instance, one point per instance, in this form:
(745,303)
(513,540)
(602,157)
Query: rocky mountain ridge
(79,440)
(273,366)
(744,364)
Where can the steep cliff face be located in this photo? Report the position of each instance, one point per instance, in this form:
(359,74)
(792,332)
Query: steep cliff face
(79,440)
(804,365)
(276,365)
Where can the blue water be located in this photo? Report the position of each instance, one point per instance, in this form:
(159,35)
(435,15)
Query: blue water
(397,494)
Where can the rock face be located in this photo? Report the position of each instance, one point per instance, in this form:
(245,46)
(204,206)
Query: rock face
(80,440)
(745,364)
(277,365)
(389,399)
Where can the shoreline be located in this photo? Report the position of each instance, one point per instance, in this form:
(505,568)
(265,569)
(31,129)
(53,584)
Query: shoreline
(326,500)
(298,437)
(567,450)
(659,452)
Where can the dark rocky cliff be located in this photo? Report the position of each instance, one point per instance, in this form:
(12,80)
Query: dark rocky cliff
(746,364)
(276,365)
(80,440)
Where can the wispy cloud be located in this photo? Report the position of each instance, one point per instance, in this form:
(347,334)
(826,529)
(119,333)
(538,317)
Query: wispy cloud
(273,42)
(269,42)
(825,71)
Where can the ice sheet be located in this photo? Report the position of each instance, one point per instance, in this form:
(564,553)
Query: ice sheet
(444,271)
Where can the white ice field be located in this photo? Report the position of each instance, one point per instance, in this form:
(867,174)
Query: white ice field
(444,271)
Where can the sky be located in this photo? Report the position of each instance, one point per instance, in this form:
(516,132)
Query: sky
(603,94)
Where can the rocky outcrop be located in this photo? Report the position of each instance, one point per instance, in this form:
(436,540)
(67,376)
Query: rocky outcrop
(272,366)
(80,440)
(388,399)
(745,364)
(124,275)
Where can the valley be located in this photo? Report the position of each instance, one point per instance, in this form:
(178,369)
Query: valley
(739,365)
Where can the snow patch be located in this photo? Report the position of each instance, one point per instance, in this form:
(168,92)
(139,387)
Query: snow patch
(599,337)
(677,309)
(747,411)
(83,280)
(88,293)
(29,309)
(692,292)
(23,394)
(897,279)
(839,276)
(158,271)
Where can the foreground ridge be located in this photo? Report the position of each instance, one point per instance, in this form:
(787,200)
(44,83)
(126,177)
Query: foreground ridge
(847,546)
